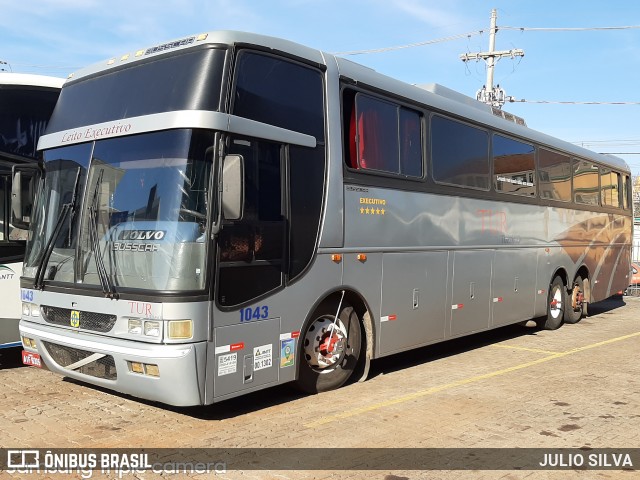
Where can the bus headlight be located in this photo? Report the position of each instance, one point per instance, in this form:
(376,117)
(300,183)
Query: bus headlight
(180,329)
(152,329)
(30,309)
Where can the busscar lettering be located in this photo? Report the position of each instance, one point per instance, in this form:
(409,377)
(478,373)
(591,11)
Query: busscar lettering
(170,45)
(135,247)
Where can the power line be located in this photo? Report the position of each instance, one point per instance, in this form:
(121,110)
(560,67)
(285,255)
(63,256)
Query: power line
(480,32)
(568,29)
(26,65)
(515,100)
(410,45)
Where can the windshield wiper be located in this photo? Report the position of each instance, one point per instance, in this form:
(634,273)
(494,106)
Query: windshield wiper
(38,281)
(107,287)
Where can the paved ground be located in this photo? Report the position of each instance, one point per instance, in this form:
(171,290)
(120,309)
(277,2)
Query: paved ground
(577,387)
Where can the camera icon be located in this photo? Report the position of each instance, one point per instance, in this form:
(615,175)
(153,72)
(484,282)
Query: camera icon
(23,459)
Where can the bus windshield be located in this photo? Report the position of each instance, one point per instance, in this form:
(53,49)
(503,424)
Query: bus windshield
(125,212)
(161,84)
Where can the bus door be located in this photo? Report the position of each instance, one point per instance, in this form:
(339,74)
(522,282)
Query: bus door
(251,264)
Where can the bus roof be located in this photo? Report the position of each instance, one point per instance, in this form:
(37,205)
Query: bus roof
(27,79)
(432,96)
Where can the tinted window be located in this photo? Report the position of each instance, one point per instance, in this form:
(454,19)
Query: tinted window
(25,113)
(306,181)
(626,184)
(382,135)
(554,175)
(410,143)
(252,248)
(585,182)
(189,81)
(278,92)
(609,188)
(377,135)
(460,153)
(513,166)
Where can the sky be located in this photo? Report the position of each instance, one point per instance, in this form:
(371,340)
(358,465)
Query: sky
(57,37)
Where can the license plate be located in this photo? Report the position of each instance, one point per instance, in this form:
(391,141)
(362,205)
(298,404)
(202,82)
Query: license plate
(32,359)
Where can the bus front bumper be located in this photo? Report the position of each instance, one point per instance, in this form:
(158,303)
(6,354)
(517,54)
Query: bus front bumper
(162,373)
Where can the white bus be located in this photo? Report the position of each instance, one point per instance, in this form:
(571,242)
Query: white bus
(227,212)
(26,102)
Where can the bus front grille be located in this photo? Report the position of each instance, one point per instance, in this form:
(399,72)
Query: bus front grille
(103,367)
(96,322)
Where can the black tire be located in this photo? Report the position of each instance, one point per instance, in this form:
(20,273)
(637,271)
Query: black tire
(321,372)
(573,315)
(556,304)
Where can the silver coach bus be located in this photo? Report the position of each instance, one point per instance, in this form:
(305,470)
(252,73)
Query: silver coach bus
(227,212)
(26,103)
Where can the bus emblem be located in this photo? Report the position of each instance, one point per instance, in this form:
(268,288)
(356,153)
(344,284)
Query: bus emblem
(75,318)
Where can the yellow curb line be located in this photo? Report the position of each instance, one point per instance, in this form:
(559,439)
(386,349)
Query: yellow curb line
(535,350)
(458,383)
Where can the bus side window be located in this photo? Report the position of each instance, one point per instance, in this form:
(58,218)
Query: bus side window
(352,156)
(381,135)
(410,143)
(625,192)
(586,186)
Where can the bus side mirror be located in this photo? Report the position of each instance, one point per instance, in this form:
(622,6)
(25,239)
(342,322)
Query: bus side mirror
(233,187)
(22,193)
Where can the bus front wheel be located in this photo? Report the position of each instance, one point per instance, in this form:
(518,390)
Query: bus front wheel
(329,349)
(556,305)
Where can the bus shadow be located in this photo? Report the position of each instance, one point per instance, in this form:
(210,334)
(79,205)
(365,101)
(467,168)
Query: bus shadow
(448,348)
(606,306)
(235,407)
(282,394)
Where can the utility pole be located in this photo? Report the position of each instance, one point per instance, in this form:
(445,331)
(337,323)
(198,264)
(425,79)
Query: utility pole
(489,94)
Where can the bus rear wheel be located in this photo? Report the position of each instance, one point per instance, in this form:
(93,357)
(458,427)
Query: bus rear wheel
(575,300)
(556,305)
(329,349)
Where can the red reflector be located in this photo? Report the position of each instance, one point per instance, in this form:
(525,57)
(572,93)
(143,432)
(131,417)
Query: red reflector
(393,317)
(295,334)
